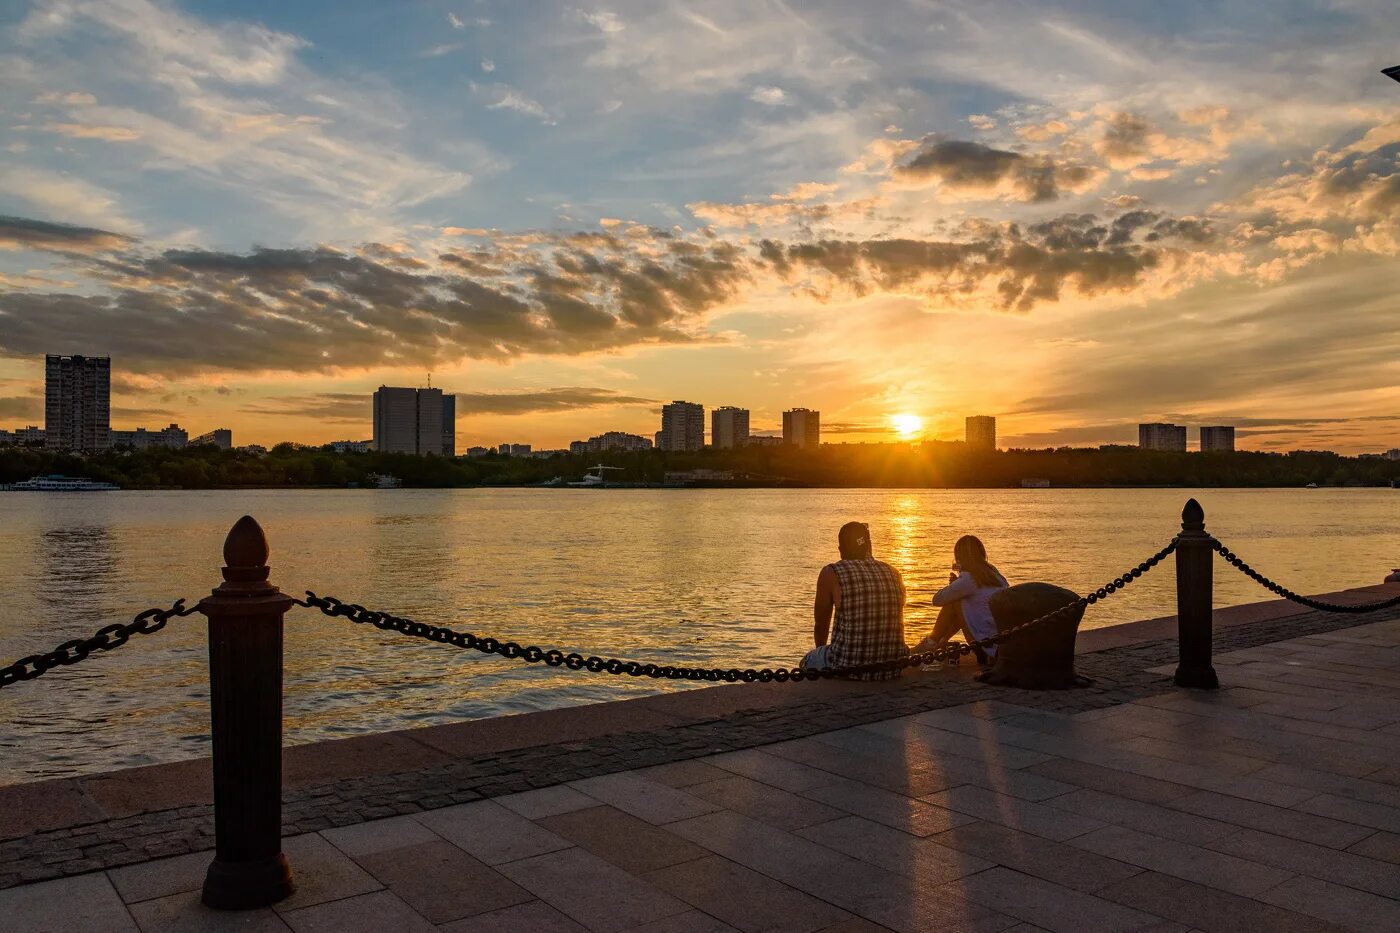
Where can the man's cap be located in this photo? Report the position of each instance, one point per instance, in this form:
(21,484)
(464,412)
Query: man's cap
(854,536)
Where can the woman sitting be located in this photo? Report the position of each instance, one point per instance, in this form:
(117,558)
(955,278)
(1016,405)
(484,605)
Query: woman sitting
(964,601)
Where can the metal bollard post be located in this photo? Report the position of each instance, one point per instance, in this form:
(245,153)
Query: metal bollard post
(1195,581)
(245,707)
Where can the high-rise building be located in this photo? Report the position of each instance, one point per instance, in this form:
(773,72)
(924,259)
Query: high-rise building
(449,425)
(1161,436)
(221,438)
(413,421)
(802,427)
(682,426)
(174,437)
(77,402)
(729,427)
(1219,437)
(980,431)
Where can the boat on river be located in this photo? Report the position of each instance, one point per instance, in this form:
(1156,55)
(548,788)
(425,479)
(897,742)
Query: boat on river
(57,482)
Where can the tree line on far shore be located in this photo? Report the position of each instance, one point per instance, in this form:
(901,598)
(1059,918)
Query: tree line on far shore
(932,464)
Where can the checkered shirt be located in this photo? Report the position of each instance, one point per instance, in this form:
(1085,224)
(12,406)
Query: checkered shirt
(870,619)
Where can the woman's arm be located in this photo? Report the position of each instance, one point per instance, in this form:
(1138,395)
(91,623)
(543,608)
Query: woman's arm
(961,588)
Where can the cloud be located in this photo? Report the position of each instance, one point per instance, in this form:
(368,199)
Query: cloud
(487,65)
(445,48)
(1004,266)
(76,98)
(111,134)
(21,406)
(61,195)
(338,407)
(323,309)
(964,167)
(768,95)
(25,233)
(603,20)
(505,97)
(567,398)
(455,21)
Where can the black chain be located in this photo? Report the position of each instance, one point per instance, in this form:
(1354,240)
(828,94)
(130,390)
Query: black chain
(1231,558)
(105,639)
(554,657)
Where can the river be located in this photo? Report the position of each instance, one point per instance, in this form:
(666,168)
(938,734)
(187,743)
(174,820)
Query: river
(709,577)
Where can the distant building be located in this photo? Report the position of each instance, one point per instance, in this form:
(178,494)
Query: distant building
(1219,437)
(478,451)
(1392,454)
(514,450)
(980,432)
(77,402)
(173,437)
(257,450)
(610,440)
(414,421)
(682,426)
(546,454)
(1161,436)
(685,477)
(20,437)
(221,438)
(729,427)
(802,427)
(351,447)
(763,440)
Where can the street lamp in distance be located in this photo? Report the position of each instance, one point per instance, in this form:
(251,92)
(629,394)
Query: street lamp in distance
(1392,72)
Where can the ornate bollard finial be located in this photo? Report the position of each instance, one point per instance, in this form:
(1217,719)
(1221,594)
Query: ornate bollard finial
(1193,517)
(245,552)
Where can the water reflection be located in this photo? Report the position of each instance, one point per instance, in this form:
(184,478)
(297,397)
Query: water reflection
(77,565)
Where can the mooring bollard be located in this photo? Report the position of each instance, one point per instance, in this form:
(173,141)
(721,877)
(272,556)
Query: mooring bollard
(245,707)
(1195,581)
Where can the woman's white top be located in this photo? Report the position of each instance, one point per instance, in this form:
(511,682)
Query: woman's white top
(977,613)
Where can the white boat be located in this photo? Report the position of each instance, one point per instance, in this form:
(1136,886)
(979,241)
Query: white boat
(594,479)
(57,482)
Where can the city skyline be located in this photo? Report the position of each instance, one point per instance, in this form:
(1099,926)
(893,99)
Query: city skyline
(572,214)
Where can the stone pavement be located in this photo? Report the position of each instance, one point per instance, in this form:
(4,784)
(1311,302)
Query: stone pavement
(1271,805)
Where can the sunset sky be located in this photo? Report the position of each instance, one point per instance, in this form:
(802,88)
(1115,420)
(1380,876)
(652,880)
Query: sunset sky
(1074,216)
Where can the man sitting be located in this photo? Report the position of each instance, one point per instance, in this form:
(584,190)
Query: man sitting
(867,597)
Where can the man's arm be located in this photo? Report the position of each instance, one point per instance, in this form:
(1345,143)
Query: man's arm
(828,592)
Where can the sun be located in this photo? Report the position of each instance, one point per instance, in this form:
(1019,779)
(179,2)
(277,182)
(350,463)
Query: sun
(907,426)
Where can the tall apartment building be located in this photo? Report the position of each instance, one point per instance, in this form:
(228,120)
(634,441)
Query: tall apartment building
(802,427)
(77,402)
(174,437)
(221,438)
(1161,436)
(414,421)
(1218,437)
(682,426)
(729,427)
(980,431)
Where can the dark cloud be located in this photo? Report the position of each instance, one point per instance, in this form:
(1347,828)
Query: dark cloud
(567,398)
(21,406)
(27,233)
(1125,140)
(1024,267)
(136,414)
(357,408)
(961,165)
(321,309)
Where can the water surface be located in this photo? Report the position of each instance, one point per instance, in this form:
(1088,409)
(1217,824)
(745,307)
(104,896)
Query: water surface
(706,577)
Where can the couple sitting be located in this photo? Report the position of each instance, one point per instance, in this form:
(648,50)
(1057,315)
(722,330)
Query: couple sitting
(867,597)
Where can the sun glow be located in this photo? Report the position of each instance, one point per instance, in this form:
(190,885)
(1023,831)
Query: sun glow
(907,426)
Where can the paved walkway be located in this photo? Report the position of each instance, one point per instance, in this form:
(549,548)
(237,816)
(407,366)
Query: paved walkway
(1271,805)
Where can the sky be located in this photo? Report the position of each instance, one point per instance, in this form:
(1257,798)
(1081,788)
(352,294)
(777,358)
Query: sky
(1074,216)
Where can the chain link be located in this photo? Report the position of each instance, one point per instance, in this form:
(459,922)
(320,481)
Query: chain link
(1233,559)
(105,639)
(554,657)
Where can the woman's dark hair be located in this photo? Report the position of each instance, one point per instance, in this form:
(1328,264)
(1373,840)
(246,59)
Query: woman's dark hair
(971,555)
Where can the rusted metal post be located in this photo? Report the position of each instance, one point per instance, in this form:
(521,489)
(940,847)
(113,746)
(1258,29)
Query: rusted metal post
(1195,582)
(245,707)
